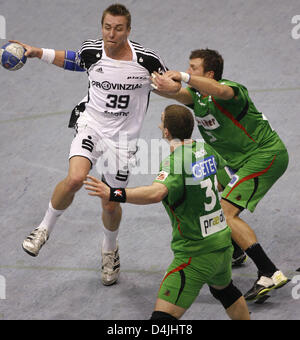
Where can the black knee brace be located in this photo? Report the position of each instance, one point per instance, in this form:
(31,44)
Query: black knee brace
(227,296)
(161,316)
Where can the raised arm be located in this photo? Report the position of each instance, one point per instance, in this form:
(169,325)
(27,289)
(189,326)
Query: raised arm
(36,52)
(211,87)
(64,59)
(204,85)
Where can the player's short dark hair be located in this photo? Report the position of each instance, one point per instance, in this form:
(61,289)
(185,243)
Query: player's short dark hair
(117,10)
(212,61)
(179,121)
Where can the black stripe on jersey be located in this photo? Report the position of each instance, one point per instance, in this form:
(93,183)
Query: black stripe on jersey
(138,47)
(92,43)
(95,47)
(145,51)
(182,276)
(179,201)
(75,114)
(78,109)
(254,190)
(150,63)
(244,112)
(148,100)
(91,52)
(236,205)
(148,59)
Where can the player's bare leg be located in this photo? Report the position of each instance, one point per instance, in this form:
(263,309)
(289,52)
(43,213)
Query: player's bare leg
(64,192)
(111,217)
(169,308)
(61,199)
(238,310)
(269,277)
(242,234)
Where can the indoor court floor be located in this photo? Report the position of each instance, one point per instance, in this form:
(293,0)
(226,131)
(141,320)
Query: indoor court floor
(257,39)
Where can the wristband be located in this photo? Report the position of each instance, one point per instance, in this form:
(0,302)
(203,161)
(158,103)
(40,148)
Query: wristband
(48,55)
(117,195)
(185,77)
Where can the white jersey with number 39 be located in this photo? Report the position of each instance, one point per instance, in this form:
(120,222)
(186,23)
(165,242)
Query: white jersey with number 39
(119,90)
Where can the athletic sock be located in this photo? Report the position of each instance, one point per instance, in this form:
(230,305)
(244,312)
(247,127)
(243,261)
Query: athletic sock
(50,218)
(264,265)
(238,251)
(109,240)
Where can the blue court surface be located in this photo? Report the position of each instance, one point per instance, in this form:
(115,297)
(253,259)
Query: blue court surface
(258,41)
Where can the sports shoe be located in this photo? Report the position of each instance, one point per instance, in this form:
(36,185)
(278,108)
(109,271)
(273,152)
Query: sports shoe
(239,261)
(110,267)
(265,284)
(34,242)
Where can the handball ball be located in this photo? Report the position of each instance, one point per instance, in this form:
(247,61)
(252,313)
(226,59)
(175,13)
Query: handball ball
(12,56)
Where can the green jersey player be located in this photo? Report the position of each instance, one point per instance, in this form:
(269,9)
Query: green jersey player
(229,122)
(201,239)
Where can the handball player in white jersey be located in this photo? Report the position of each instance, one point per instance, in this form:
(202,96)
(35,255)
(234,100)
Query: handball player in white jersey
(107,123)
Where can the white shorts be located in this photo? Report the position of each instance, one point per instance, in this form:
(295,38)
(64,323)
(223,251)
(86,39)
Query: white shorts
(111,160)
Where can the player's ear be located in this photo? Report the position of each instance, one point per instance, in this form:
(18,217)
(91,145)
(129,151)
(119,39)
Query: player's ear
(210,74)
(167,134)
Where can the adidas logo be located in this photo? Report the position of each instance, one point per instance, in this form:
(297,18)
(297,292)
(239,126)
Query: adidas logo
(100,70)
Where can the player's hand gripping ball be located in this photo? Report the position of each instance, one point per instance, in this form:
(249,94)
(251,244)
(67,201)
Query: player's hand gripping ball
(12,56)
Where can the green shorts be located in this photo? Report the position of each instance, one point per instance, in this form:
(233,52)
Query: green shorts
(186,276)
(254,179)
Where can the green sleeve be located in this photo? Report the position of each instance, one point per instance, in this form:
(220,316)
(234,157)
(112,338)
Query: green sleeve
(194,96)
(240,95)
(223,177)
(173,182)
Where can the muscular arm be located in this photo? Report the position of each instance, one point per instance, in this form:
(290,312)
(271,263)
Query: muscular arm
(59,57)
(182,96)
(211,87)
(59,60)
(166,85)
(147,194)
(36,52)
(140,195)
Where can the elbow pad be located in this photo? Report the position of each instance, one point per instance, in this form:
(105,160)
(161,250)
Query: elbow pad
(70,62)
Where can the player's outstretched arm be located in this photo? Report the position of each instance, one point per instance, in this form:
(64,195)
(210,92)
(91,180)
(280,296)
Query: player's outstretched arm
(168,87)
(211,87)
(36,52)
(140,195)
